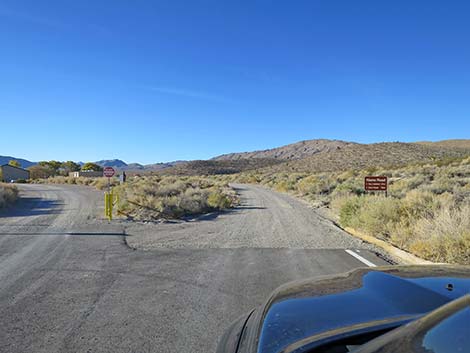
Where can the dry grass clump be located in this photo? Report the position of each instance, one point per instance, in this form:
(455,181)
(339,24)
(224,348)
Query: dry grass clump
(8,194)
(99,183)
(170,197)
(444,237)
(427,212)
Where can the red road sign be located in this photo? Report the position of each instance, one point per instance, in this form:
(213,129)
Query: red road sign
(375,183)
(108,172)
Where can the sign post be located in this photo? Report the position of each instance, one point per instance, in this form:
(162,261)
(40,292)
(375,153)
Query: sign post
(108,196)
(376,183)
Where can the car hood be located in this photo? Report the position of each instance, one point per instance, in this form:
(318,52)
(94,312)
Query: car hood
(326,308)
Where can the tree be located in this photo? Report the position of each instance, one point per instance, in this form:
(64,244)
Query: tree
(70,166)
(40,172)
(52,165)
(89,166)
(14,163)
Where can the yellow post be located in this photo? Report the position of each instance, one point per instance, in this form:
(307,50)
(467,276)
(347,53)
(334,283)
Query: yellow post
(108,205)
(111,205)
(106,196)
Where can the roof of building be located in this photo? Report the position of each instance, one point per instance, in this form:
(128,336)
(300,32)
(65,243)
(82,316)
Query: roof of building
(9,165)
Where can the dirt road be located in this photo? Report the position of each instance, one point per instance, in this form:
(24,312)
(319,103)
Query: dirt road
(70,283)
(264,219)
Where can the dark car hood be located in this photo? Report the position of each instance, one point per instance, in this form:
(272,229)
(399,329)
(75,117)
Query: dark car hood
(326,307)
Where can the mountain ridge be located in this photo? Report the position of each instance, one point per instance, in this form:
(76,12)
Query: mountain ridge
(292,151)
(306,155)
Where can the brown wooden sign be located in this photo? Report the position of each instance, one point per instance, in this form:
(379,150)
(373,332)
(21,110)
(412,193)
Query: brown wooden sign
(375,183)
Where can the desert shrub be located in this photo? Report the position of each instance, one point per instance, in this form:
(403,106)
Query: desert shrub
(432,226)
(418,204)
(349,187)
(316,185)
(248,179)
(349,208)
(375,215)
(282,186)
(8,194)
(441,185)
(444,237)
(218,200)
(154,198)
(347,175)
(307,185)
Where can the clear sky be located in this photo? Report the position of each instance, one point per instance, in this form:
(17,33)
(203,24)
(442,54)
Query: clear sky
(150,81)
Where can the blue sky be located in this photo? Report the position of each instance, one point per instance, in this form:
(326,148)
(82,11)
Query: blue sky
(150,81)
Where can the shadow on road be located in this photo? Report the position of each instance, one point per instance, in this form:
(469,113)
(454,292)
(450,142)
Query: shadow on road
(212,216)
(90,234)
(33,206)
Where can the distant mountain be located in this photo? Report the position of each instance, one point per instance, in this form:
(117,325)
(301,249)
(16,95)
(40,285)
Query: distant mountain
(161,166)
(325,155)
(115,163)
(135,166)
(292,151)
(23,162)
(121,165)
(304,156)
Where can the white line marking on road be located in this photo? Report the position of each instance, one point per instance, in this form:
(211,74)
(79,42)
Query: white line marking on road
(360,258)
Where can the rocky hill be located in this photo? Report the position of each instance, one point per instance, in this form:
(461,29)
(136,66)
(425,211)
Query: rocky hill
(360,156)
(298,150)
(115,163)
(326,155)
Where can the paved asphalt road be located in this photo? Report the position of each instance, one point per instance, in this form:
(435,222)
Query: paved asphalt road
(70,283)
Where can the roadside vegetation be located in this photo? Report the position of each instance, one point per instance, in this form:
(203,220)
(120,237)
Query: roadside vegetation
(154,198)
(99,183)
(427,211)
(8,194)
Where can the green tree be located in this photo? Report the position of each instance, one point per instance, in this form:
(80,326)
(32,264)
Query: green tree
(70,166)
(14,163)
(40,172)
(89,166)
(54,166)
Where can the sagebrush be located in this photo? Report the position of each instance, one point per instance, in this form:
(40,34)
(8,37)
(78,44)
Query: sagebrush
(8,194)
(169,197)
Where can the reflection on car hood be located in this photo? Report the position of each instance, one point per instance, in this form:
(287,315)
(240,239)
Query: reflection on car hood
(300,311)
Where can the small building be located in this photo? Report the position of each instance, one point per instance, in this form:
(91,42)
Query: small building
(86,174)
(11,173)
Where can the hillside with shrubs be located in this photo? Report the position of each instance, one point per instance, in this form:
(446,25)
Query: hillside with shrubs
(217,167)
(427,212)
(361,156)
(324,156)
